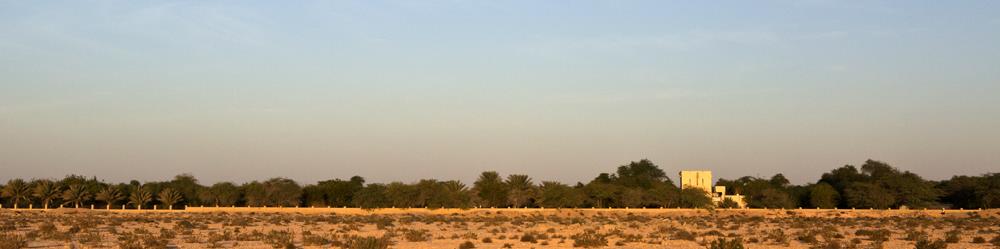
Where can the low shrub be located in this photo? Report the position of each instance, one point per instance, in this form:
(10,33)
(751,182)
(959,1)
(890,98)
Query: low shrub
(467,245)
(953,236)
(928,244)
(588,239)
(874,235)
(10,240)
(369,242)
(416,235)
(279,239)
(978,240)
(723,243)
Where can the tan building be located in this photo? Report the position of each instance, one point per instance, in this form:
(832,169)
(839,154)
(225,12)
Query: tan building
(697,179)
(702,179)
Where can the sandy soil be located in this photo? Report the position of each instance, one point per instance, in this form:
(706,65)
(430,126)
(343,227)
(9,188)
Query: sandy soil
(495,228)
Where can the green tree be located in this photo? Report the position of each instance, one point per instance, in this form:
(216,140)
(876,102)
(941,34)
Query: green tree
(775,198)
(520,190)
(664,194)
(630,197)
(169,197)
(220,194)
(779,181)
(642,174)
(988,192)
(17,190)
(491,189)
(602,194)
(282,192)
(255,194)
(694,198)
(334,192)
(430,194)
(907,189)
(110,195)
(401,195)
(76,194)
(139,197)
(558,195)
(760,193)
(728,203)
(867,195)
(47,191)
(823,195)
(841,177)
(187,186)
(456,194)
(371,197)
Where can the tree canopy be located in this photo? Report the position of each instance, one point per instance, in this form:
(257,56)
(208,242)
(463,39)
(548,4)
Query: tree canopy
(636,184)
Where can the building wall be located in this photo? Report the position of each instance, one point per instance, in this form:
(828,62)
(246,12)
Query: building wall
(697,179)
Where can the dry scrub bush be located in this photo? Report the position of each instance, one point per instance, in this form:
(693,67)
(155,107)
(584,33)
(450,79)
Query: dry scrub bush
(467,245)
(925,243)
(589,239)
(368,242)
(417,235)
(279,239)
(722,243)
(10,240)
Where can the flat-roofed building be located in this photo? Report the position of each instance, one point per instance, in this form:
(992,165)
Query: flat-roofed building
(697,179)
(702,179)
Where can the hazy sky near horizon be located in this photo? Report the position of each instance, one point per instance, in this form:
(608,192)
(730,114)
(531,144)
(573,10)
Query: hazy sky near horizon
(559,90)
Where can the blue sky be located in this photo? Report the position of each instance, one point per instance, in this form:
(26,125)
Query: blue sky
(403,90)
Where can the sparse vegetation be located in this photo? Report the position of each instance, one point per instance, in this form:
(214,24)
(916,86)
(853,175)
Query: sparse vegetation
(723,243)
(589,239)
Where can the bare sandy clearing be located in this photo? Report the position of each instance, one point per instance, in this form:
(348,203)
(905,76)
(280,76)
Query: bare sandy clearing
(497,228)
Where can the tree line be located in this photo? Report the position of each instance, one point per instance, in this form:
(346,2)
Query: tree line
(640,184)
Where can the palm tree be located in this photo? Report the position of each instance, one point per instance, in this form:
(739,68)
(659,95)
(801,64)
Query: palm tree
(47,191)
(491,189)
(110,195)
(76,194)
(457,194)
(521,190)
(170,197)
(140,197)
(17,190)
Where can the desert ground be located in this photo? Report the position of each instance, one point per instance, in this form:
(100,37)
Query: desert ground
(494,228)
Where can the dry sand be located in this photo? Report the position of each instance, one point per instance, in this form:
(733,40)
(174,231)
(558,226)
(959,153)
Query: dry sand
(447,228)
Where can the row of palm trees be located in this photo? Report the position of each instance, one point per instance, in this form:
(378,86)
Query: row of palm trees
(46,191)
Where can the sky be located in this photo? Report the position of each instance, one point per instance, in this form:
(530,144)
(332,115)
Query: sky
(559,90)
